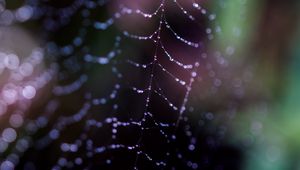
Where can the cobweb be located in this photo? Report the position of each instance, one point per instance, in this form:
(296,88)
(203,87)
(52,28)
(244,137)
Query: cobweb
(109,86)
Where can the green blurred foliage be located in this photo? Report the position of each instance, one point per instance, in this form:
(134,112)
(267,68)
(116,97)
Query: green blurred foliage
(267,130)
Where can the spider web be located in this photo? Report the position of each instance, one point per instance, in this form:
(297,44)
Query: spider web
(123,108)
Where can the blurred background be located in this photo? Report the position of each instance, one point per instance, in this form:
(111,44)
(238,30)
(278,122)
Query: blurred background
(124,84)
